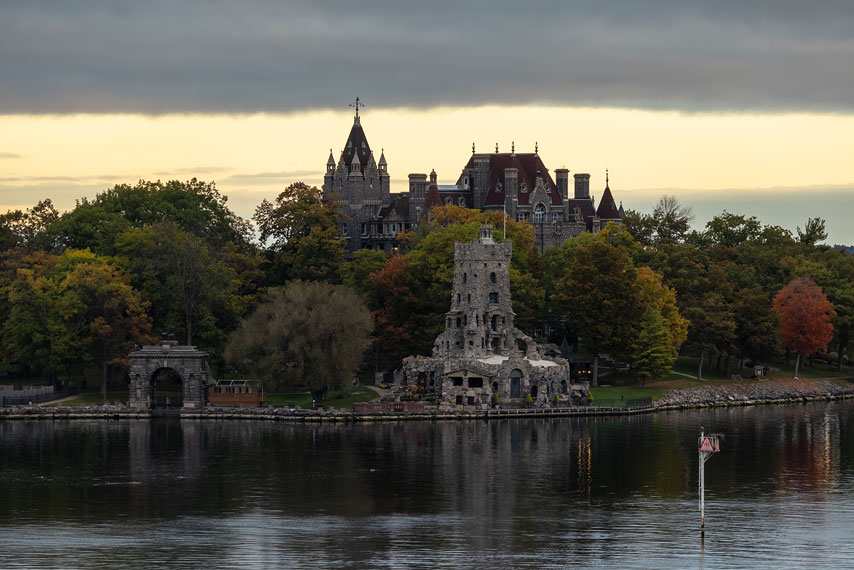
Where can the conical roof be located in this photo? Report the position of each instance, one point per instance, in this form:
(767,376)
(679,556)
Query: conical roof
(356,145)
(607,209)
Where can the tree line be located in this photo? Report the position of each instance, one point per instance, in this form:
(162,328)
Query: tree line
(276,297)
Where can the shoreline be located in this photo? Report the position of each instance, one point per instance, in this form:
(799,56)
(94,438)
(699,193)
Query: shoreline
(772,392)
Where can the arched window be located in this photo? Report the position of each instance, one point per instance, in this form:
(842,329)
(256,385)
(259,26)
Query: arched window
(492,277)
(539,213)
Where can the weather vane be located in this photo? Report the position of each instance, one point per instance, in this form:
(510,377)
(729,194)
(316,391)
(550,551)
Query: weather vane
(356,104)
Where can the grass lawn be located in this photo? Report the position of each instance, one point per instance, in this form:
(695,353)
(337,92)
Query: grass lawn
(344,399)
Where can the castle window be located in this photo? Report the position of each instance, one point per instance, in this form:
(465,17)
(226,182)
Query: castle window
(459,400)
(557,216)
(458,297)
(465,277)
(523,216)
(523,187)
(465,320)
(492,277)
(539,212)
(548,187)
(364,229)
(458,381)
(345,230)
(498,187)
(461,201)
(466,182)
(448,201)
(475,382)
(470,400)
(458,322)
(493,298)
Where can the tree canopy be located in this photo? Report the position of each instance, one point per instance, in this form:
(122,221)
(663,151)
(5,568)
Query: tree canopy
(306,335)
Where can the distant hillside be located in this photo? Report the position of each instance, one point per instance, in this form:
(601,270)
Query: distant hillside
(849,249)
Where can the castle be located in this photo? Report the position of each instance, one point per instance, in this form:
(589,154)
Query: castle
(517,183)
(481,358)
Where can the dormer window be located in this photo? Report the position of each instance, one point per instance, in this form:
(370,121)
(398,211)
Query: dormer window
(539,212)
(448,201)
(523,187)
(498,187)
(461,201)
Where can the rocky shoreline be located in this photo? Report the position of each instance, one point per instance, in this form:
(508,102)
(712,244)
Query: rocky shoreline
(754,393)
(731,394)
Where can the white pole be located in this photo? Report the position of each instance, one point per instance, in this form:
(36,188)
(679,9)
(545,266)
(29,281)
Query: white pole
(702,486)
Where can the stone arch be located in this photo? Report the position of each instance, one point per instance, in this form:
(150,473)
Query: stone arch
(189,364)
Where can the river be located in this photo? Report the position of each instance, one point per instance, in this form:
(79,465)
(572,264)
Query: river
(550,493)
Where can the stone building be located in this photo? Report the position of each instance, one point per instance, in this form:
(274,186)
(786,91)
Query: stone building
(518,183)
(481,355)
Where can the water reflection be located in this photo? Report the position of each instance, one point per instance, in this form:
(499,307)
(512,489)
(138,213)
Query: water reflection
(538,493)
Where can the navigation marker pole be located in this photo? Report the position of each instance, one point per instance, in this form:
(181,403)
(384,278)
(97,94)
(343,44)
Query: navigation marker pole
(709,445)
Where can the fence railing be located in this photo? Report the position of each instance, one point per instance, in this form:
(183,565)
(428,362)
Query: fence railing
(34,395)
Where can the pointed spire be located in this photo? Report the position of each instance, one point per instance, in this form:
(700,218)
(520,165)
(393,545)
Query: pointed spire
(331,161)
(382,161)
(356,104)
(472,147)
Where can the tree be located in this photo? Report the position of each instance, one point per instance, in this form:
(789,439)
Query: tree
(599,298)
(306,335)
(195,290)
(653,353)
(672,220)
(805,317)
(194,206)
(28,228)
(72,310)
(108,310)
(304,233)
(813,233)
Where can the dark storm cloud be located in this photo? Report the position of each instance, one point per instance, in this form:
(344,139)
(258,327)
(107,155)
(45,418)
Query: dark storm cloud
(163,56)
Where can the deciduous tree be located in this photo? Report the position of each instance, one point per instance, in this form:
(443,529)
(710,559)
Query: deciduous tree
(805,317)
(306,335)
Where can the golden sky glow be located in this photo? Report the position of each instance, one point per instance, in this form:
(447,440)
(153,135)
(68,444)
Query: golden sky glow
(251,157)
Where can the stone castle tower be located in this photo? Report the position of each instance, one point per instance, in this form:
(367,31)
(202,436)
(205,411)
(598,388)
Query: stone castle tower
(359,184)
(481,317)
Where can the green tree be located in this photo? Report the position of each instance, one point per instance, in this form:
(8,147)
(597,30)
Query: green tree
(27,228)
(599,298)
(306,335)
(194,206)
(814,232)
(72,310)
(653,353)
(303,229)
(196,291)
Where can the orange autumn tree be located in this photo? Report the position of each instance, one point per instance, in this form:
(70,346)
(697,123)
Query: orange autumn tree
(805,315)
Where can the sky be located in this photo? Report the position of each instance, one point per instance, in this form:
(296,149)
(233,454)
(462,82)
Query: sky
(743,106)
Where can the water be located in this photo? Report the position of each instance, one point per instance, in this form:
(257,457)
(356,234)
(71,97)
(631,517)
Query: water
(548,493)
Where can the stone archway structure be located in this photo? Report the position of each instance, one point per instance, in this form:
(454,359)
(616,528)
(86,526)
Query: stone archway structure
(190,364)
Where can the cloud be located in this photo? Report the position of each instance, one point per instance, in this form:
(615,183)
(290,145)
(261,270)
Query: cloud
(272,177)
(5,155)
(264,55)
